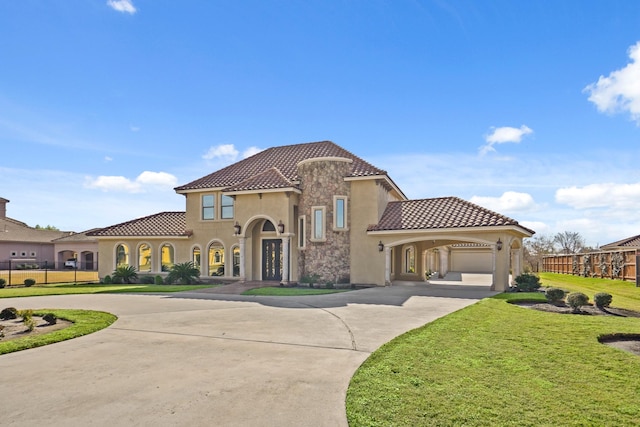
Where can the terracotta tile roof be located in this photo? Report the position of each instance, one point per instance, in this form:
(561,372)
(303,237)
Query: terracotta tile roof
(169,224)
(285,159)
(629,242)
(442,212)
(270,179)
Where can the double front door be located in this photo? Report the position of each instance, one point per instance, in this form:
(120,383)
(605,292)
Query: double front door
(272,259)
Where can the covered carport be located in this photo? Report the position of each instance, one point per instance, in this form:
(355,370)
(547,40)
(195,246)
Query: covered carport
(431,236)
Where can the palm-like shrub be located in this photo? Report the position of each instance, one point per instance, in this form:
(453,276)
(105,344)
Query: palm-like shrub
(184,273)
(125,274)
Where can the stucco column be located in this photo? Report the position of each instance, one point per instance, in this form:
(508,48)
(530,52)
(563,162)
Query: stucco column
(285,260)
(241,241)
(500,269)
(444,262)
(516,255)
(387,266)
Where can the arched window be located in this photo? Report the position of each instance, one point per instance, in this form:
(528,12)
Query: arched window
(196,258)
(144,257)
(166,257)
(236,261)
(122,255)
(410,260)
(268,226)
(216,260)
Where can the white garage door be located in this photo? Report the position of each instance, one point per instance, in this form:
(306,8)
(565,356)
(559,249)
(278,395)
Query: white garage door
(472,260)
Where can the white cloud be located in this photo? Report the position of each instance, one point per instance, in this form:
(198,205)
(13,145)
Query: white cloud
(510,201)
(108,159)
(611,195)
(134,128)
(620,91)
(504,135)
(124,6)
(145,181)
(538,226)
(251,151)
(224,151)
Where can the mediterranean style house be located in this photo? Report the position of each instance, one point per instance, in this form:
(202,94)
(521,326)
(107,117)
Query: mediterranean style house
(316,212)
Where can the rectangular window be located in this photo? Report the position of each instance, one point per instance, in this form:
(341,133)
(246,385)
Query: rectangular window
(317,223)
(339,212)
(301,232)
(209,206)
(226,205)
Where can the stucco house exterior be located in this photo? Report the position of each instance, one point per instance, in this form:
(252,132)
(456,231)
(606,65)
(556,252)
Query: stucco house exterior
(314,209)
(22,245)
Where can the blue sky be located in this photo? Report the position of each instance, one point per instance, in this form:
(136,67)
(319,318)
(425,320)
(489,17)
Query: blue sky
(530,108)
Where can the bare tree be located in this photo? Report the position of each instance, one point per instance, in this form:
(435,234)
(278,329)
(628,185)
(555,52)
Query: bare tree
(535,248)
(570,242)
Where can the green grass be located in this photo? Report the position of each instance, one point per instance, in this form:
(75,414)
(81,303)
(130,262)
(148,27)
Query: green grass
(84,322)
(625,294)
(494,363)
(288,292)
(68,289)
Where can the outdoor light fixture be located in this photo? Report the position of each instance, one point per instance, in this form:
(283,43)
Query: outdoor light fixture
(237,228)
(380,246)
(499,244)
(280,227)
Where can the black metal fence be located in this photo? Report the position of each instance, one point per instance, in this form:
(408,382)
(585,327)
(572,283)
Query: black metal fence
(16,272)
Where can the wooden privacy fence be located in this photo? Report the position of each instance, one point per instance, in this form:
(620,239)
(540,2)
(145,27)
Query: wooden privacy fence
(622,265)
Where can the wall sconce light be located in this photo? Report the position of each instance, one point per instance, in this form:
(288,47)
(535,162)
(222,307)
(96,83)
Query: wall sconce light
(380,246)
(237,228)
(280,227)
(499,244)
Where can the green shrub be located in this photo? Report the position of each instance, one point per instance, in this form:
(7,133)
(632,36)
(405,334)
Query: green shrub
(107,280)
(527,282)
(50,318)
(602,299)
(554,295)
(26,314)
(30,324)
(158,280)
(329,285)
(575,300)
(3,283)
(29,282)
(147,280)
(9,313)
(185,273)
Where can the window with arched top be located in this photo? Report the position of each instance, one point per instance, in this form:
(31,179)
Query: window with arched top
(236,261)
(166,256)
(144,257)
(410,260)
(216,259)
(268,226)
(122,255)
(196,257)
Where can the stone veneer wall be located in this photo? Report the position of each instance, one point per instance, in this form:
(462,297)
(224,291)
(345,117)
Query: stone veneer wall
(320,181)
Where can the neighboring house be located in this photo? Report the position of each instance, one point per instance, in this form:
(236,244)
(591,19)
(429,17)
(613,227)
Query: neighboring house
(628,243)
(23,245)
(293,212)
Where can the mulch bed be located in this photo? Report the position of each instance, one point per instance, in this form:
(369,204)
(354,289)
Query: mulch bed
(15,328)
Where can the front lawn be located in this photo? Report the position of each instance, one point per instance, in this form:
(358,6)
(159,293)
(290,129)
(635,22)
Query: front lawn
(84,322)
(67,289)
(494,363)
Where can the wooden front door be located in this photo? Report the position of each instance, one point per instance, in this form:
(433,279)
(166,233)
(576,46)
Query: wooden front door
(272,259)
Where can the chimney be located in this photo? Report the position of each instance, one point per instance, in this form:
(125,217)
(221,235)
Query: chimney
(3,208)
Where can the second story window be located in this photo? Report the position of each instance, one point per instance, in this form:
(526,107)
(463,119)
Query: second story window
(226,206)
(339,212)
(317,223)
(209,206)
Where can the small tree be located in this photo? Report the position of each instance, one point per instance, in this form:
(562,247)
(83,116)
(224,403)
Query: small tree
(554,295)
(125,274)
(527,282)
(602,299)
(183,273)
(577,300)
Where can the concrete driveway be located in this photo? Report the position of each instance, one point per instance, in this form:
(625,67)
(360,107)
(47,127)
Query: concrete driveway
(201,358)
